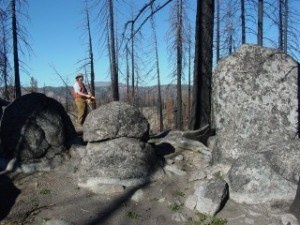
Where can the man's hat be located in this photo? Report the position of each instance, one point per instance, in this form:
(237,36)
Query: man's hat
(79,75)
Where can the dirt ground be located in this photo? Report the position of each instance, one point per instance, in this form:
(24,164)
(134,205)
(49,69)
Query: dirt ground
(40,197)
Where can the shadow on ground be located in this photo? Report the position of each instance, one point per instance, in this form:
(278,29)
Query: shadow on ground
(162,150)
(8,195)
(107,212)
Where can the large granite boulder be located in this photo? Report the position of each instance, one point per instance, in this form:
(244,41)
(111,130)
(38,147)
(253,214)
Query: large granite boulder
(252,179)
(255,113)
(35,128)
(116,119)
(117,152)
(255,101)
(124,159)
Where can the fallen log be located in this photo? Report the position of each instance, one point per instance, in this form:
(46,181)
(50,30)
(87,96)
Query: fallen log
(201,134)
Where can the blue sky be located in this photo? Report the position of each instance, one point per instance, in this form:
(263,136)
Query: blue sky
(57,39)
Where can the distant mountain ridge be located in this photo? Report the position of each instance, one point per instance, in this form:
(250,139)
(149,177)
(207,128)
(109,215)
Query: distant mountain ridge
(103,90)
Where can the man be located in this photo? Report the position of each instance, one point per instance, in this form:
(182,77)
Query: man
(81,95)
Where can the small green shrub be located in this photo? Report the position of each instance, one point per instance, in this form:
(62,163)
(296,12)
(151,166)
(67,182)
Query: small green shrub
(218,175)
(218,221)
(174,207)
(34,202)
(132,215)
(45,191)
(180,193)
(207,220)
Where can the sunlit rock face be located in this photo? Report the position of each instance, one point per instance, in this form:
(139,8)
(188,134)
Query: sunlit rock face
(255,101)
(114,120)
(117,151)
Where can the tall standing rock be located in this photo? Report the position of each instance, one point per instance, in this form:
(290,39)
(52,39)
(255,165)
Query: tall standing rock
(255,110)
(255,101)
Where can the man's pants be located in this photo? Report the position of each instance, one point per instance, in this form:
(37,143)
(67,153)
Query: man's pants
(81,110)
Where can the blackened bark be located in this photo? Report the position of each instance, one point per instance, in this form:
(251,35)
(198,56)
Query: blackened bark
(179,117)
(114,69)
(127,72)
(286,16)
(132,67)
(260,22)
(15,49)
(243,21)
(280,26)
(4,56)
(189,74)
(218,31)
(201,106)
(91,56)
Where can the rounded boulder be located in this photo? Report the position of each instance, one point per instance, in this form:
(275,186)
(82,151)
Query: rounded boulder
(114,120)
(35,127)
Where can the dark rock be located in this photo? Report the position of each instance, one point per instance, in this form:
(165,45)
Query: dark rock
(35,127)
(113,120)
(3,103)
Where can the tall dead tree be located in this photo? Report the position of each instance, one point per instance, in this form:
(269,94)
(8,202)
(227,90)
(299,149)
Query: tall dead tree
(179,53)
(218,31)
(159,98)
(260,15)
(229,27)
(90,53)
(189,70)
(286,17)
(201,105)
(114,69)
(133,99)
(4,53)
(134,31)
(15,49)
(243,18)
(280,26)
(176,45)
(127,72)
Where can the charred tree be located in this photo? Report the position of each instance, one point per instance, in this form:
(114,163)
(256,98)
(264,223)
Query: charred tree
(243,18)
(91,54)
(3,54)
(159,98)
(218,32)
(201,105)
(179,53)
(260,22)
(15,49)
(286,16)
(114,69)
(280,26)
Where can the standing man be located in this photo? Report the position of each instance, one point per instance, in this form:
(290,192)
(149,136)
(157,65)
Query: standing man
(81,95)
